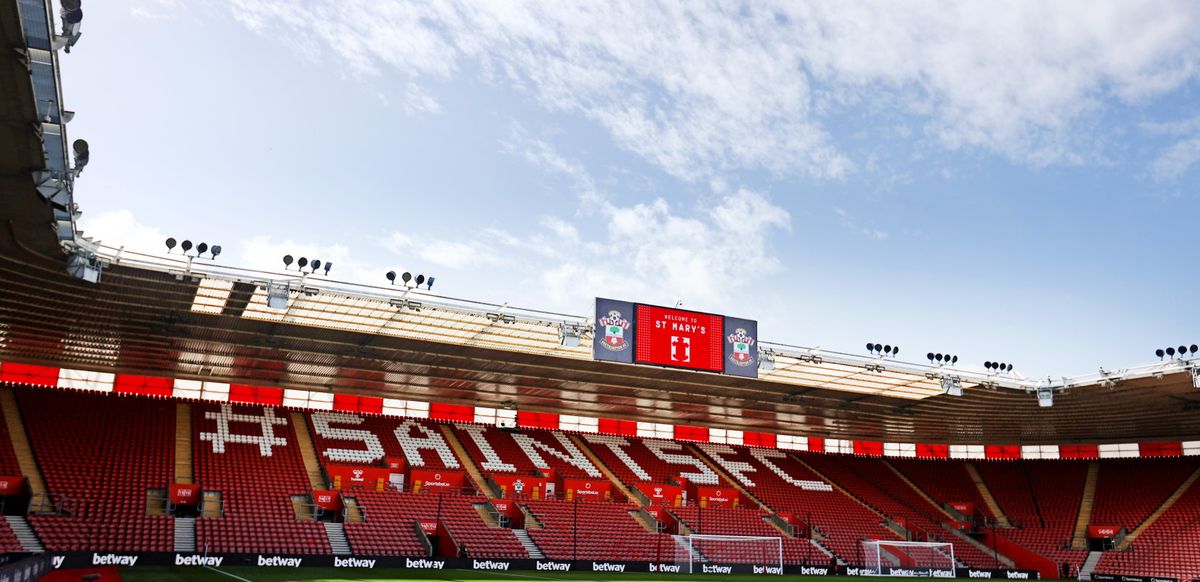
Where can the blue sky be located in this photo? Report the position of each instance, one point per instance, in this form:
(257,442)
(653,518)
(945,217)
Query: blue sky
(1010,182)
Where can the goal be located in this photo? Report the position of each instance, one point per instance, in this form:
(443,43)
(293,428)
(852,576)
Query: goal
(920,559)
(713,554)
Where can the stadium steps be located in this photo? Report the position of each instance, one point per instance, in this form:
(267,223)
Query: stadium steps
(645,519)
(337,538)
(185,534)
(1183,487)
(826,551)
(303,508)
(531,520)
(156,502)
(354,513)
(1005,560)
(210,504)
(487,513)
(183,443)
(986,495)
(632,495)
(308,452)
(24,534)
(720,471)
(464,459)
(1079,540)
(20,443)
(1089,565)
(532,548)
(919,491)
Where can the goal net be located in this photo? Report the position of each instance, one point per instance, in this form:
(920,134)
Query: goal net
(712,554)
(920,559)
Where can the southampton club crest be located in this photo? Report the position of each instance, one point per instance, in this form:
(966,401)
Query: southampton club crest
(742,343)
(614,332)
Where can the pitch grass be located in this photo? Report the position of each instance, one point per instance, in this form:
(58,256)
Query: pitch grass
(168,574)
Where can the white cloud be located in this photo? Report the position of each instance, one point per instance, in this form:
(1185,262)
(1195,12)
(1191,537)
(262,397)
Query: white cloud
(848,221)
(1173,163)
(703,87)
(441,252)
(121,229)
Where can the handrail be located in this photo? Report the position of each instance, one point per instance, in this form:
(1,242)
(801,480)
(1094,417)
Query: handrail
(423,538)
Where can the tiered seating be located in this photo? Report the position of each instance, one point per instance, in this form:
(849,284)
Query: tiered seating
(1126,497)
(384,429)
(842,521)
(657,469)
(872,481)
(510,452)
(256,480)
(1042,497)
(103,453)
(8,459)
(8,466)
(742,522)
(1168,548)
(943,480)
(391,516)
(596,531)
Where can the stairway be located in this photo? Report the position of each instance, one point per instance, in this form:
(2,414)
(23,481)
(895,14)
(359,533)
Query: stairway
(1079,540)
(1183,487)
(20,443)
(997,556)
(919,491)
(185,534)
(631,494)
(354,513)
(825,551)
(719,470)
(20,528)
(183,443)
(1089,565)
(337,538)
(465,460)
(308,452)
(986,495)
(530,547)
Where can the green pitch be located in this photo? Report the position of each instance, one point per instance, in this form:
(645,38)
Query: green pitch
(166,574)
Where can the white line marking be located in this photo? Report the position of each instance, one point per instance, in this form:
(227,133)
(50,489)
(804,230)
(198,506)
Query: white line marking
(228,574)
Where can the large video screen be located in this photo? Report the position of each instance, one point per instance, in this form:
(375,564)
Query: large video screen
(674,337)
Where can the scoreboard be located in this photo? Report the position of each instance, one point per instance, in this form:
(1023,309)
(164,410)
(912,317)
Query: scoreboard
(635,333)
(685,339)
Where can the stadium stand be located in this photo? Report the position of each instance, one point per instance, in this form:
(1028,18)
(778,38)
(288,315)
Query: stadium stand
(1125,497)
(874,483)
(515,449)
(102,482)
(250,455)
(391,517)
(595,531)
(1167,548)
(945,481)
(1041,499)
(426,448)
(651,467)
(741,522)
(840,521)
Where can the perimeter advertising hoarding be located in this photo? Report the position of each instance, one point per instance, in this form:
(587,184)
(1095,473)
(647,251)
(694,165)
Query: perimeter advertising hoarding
(648,334)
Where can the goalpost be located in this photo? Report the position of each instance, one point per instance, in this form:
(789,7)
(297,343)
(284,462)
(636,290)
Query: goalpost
(711,553)
(921,559)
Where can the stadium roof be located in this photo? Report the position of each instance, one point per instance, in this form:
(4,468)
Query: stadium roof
(159,316)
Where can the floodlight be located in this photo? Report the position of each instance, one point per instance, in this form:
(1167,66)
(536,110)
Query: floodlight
(171,246)
(186,246)
(954,360)
(1194,349)
(303,262)
(216,250)
(316,264)
(1160,353)
(81,153)
(328,266)
(420,280)
(1182,351)
(887,350)
(429,286)
(895,351)
(391,277)
(1171,352)
(870,347)
(202,248)
(287,261)
(406,277)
